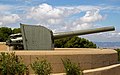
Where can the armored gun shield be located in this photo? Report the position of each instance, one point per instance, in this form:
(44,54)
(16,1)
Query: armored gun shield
(36,37)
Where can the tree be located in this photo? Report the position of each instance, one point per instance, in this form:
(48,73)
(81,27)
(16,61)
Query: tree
(16,30)
(4,33)
(74,42)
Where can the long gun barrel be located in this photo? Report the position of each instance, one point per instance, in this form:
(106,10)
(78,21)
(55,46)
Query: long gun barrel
(82,32)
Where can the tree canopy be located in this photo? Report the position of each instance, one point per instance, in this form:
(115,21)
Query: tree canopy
(74,42)
(5,32)
(16,30)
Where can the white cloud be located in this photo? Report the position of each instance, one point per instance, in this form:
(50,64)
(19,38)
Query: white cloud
(44,11)
(119,33)
(115,34)
(54,21)
(7,16)
(48,15)
(87,21)
(57,18)
(104,37)
(77,9)
(92,16)
(82,26)
(7,19)
(5,7)
(0,23)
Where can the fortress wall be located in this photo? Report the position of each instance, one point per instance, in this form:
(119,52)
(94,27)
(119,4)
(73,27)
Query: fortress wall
(108,70)
(87,58)
(3,47)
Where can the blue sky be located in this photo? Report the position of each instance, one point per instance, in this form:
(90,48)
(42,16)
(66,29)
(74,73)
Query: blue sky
(64,15)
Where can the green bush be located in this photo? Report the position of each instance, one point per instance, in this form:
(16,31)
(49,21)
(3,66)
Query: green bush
(118,51)
(71,68)
(41,67)
(10,64)
(73,42)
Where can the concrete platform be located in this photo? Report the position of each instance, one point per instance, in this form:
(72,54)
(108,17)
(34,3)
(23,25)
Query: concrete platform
(92,61)
(87,58)
(108,70)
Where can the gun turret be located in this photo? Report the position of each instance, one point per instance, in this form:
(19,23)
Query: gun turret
(41,38)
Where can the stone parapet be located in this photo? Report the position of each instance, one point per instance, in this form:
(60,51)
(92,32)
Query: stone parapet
(3,46)
(87,58)
(108,70)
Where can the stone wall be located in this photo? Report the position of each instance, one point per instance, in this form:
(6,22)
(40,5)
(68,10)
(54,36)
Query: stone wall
(108,70)
(3,47)
(92,61)
(86,58)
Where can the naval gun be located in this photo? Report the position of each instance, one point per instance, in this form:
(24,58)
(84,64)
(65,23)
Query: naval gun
(34,37)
